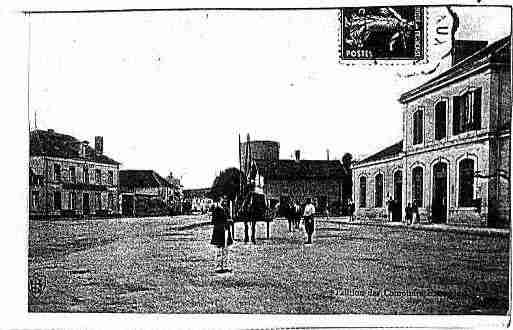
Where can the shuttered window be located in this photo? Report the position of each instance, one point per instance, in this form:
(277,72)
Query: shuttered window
(418,127)
(417,185)
(440,120)
(57,172)
(57,200)
(363,192)
(379,190)
(98,201)
(467,112)
(466,183)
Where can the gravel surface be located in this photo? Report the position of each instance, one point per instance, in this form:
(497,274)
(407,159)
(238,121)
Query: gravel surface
(164,265)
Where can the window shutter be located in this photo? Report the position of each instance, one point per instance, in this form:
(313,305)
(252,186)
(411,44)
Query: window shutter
(421,126)
(415,128)
(440,120)
(476,111)
(455,115)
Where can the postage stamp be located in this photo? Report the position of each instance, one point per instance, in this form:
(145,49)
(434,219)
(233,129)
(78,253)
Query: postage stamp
(389,33)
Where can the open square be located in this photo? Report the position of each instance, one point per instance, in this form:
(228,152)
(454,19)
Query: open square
(166,265)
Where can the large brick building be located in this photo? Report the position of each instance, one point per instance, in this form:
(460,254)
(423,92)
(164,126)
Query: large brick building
(67,177)
(326,182)
(454,158)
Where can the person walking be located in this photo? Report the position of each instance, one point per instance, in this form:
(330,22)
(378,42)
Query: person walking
(390,207)
(415,212)
(408,214)
(221,235)
(349,209)
(309,219)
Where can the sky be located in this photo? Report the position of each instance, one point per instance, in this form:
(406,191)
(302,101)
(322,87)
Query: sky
(171,91)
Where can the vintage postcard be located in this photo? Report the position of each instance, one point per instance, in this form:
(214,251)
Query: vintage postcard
(309,162)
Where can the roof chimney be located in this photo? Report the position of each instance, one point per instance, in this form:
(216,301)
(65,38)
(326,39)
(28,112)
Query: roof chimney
(83,149)
(464,48)
(50,130)
(98,145)
(297,154)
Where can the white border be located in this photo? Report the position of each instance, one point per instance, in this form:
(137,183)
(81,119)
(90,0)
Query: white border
(14,196)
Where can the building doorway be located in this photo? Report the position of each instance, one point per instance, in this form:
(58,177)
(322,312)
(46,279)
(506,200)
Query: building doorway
(439,204)
(85,204)
(127,205)
(322,204)
(397,209)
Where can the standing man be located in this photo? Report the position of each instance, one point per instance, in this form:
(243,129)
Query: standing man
(390,207)
(221,236)
(408,214)
(415,211)
(351,207)
(309,219)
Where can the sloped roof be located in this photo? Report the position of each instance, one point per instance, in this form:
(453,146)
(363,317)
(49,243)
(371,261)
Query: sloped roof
(496,52)
(196,193)
(389,152)
(50,143)
(285,169)
(142,179)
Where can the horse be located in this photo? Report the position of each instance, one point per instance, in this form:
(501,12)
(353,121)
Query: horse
(253,209)
(292,212)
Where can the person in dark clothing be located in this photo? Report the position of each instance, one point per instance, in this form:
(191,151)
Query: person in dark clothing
(408,214)
(221,235)
(351,209)
(390,207)
(309,220)
(415,212)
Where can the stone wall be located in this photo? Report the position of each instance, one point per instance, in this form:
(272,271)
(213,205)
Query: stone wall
(369,171)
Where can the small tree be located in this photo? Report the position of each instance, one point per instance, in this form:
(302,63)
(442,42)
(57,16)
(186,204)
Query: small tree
(347,159)
(347,187)
(226,184)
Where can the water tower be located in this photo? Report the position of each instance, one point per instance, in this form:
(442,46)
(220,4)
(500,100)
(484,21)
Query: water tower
(261,150)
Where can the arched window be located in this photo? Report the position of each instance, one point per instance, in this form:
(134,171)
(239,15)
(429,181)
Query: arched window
(418,127)
(440,120)
(418,185)
(466,183)
(378,190)
(363,192)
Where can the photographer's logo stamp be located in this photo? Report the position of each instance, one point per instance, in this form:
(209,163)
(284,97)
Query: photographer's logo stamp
(37,284)
(382,33)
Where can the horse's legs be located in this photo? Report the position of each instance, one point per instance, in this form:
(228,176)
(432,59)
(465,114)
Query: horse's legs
(253,223)
(246,234)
